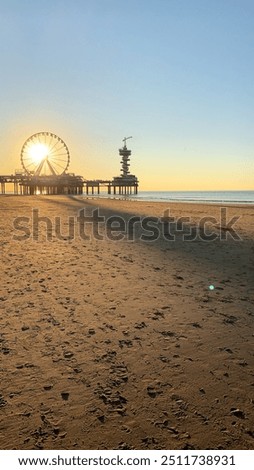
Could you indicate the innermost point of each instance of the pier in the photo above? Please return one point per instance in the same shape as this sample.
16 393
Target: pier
31 185
45 159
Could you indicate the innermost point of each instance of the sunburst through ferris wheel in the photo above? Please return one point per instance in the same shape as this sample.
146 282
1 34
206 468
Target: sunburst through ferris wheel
43 154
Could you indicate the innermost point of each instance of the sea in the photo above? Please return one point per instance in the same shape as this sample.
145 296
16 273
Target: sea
209 197
212 197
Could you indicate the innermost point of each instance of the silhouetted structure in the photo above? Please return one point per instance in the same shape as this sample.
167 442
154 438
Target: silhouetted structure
31 179
47 184
126 183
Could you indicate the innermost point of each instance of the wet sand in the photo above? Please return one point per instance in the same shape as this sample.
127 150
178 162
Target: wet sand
109 344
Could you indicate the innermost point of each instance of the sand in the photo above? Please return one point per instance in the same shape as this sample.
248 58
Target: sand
111 344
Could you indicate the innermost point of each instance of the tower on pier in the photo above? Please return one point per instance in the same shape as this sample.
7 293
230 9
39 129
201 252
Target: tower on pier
126 183
125 154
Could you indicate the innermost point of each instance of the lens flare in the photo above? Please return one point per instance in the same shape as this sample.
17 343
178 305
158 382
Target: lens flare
38 152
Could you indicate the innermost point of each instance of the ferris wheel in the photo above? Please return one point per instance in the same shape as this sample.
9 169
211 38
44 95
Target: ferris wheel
45 153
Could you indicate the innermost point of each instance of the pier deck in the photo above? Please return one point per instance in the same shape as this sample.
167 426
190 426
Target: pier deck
67 184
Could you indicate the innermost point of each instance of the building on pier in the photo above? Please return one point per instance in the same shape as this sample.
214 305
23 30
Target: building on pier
47 184
126 183
52 184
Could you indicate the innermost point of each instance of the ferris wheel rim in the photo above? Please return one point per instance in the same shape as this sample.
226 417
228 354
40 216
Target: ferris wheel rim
65 155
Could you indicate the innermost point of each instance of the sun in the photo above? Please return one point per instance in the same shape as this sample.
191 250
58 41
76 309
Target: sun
38 152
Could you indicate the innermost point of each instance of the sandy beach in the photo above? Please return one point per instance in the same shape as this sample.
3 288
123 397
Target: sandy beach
121 344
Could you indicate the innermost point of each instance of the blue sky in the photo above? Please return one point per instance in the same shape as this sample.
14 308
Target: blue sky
177 75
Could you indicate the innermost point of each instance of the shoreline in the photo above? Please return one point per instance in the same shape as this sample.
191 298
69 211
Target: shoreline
131 199
217 203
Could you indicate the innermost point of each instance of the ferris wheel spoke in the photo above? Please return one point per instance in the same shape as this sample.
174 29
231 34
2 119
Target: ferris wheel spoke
27 158
39 168
57 149
60 146
64 153
29 164
51 167
32 138
57 158
29 144
58 164
52 148
52 144
50 140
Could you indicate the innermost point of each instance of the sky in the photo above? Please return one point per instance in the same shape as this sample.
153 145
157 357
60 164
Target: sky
176 75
